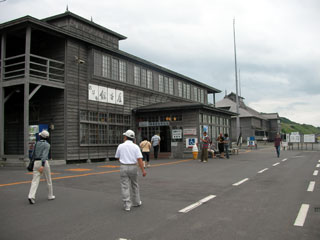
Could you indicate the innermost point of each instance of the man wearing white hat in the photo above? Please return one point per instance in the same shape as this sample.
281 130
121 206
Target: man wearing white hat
41 165
129 155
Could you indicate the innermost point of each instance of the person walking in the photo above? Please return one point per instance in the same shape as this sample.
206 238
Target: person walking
277 143
41 165
226 144
205 140
155 141
145 146
129 155
220 140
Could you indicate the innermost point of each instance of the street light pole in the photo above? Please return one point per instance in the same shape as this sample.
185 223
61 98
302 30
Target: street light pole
236 76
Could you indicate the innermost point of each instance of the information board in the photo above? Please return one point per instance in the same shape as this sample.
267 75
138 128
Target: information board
190 142
309 138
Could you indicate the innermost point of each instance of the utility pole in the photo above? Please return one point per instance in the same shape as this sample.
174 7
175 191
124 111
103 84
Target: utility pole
236 76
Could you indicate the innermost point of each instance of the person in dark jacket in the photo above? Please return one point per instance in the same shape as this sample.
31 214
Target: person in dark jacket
41 165
277 143
220 140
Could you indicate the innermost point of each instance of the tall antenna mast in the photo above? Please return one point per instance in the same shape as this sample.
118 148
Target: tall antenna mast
236 76
239 84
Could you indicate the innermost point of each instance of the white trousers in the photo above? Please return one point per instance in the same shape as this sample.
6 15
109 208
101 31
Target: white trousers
129 181
36 179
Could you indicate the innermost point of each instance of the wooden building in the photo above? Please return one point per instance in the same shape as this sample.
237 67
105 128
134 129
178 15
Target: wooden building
262 126
69 73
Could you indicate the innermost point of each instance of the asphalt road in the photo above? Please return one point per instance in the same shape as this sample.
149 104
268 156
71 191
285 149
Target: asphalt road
253 195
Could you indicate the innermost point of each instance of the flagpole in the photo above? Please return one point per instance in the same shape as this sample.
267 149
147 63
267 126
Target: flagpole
236 76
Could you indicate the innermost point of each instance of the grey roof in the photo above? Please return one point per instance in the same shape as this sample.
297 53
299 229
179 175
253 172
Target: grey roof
72 15
172 105
244 111
271 115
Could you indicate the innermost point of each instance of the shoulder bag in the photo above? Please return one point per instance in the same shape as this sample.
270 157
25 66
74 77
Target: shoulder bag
31 163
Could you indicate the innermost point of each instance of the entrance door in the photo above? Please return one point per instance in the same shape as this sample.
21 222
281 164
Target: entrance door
165 135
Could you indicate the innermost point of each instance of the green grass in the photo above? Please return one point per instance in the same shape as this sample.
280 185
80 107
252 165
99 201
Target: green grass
288 126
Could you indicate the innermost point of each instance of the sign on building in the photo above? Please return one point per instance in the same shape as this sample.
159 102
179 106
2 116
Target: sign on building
104 94
189 131
190 142
176 133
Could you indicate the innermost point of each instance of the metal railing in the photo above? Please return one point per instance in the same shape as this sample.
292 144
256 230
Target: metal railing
39 67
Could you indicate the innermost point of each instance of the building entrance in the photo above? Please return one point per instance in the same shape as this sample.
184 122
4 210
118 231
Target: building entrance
165 144
165 135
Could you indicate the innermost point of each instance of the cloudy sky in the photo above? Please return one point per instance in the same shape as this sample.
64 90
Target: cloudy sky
278 51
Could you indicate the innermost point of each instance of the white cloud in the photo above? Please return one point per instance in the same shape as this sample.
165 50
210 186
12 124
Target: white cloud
300 109
277 42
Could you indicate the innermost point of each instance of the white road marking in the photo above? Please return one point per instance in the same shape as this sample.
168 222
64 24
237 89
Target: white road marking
276 164
318 160
311 186
283 160
318 165
197 204
302 215
263 170
315 173
240 182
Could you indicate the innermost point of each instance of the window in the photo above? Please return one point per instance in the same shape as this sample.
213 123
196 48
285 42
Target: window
106 68
115 69
199 95
202 96
149 80
188 92
136 76
143 78
123 71
184 90
96 130
166 85
195 94
205 118
97 64
161 87
180 89
171 86
84 133
200 117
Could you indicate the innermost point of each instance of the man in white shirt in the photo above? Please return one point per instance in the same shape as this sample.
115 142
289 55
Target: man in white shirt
129 155
155 141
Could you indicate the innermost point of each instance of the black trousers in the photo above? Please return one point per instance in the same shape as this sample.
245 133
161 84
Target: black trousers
155 151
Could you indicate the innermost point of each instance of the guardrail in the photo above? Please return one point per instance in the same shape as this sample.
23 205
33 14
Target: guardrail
39 67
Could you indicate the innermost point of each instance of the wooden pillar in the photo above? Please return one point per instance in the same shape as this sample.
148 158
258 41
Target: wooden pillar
26 93
3 54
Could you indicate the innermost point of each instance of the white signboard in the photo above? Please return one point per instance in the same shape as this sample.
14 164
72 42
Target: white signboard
309 138
190 142
111 95
190 131
294 138
119 97
104 94
176 134
93 92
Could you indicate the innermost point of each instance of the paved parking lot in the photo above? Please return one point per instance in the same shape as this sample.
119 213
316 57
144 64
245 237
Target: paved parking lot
253 195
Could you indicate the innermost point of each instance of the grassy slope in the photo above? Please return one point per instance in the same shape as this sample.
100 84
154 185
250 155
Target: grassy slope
288 126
